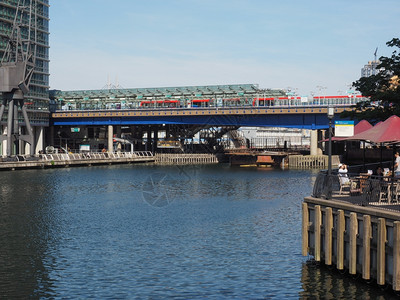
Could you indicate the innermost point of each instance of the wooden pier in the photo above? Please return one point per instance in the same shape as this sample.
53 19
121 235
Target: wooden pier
364 241
75 160
311 161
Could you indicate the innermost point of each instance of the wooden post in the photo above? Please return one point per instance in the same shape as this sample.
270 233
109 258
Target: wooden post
353 243
396 256
340 239
317 232
381 242
305 227
328 235
367 235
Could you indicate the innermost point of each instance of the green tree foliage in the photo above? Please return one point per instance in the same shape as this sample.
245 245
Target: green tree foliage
382 88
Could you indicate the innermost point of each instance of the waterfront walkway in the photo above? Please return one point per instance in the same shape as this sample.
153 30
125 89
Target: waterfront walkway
74 159
360 189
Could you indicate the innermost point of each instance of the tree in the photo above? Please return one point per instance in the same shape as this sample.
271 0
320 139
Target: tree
383 89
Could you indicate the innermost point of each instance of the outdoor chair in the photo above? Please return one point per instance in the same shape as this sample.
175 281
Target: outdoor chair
396 192
344 184
358 186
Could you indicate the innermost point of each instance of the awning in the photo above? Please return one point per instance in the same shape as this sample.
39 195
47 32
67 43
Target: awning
384 132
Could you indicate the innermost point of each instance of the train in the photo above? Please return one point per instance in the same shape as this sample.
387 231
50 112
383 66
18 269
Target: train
167 103
256 101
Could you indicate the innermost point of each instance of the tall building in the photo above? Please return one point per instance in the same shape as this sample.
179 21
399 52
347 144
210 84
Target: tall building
37 100
370 68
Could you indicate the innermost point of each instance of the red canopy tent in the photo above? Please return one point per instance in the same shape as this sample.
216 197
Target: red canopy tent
384 132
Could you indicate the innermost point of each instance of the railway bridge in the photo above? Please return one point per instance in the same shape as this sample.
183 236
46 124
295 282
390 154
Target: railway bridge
164 114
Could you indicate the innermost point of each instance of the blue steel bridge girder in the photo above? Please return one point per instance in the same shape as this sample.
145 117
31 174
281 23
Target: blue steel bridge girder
304 121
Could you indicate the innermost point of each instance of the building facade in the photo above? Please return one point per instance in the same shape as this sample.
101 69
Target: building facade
370 68
37 100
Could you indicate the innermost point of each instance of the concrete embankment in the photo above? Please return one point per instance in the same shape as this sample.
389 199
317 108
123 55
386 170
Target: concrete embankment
74 160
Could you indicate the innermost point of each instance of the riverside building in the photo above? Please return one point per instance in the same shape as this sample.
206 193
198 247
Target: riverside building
37 100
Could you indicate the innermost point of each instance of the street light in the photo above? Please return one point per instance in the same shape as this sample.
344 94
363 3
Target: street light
331 113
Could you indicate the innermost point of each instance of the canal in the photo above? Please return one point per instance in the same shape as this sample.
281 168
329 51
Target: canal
156 232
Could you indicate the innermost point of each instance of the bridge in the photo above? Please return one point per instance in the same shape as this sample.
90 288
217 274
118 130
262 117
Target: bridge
181 112
290 117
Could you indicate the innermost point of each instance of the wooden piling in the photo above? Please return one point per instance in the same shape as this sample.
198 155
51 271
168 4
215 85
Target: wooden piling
367 235
396 256
328 235
317 233
340 239
366 239
353 243
305 226
381 243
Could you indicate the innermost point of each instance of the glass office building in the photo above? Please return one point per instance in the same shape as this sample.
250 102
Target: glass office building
37 101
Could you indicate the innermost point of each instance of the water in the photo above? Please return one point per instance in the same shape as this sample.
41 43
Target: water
139 231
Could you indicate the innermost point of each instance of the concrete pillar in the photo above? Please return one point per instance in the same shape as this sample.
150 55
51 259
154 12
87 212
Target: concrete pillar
4 142
148 144
39 138
314 142
155 139
27 148
110 139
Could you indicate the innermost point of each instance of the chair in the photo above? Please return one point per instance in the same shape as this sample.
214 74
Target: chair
344 183
384 193
359 185
395 192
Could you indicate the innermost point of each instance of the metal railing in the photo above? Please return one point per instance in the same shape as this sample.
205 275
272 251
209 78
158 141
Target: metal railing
358 188
94 155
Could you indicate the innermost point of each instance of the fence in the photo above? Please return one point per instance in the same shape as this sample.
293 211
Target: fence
359 188
95 155
311 161
171 158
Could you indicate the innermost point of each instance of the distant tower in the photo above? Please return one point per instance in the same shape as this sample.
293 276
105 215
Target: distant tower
370 68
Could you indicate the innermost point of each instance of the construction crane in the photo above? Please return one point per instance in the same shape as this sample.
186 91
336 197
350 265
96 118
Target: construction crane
16 70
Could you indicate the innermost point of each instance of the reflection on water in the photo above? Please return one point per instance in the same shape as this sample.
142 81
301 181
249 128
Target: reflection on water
322 282
221 232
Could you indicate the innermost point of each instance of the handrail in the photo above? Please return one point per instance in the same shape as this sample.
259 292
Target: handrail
358 188
93 155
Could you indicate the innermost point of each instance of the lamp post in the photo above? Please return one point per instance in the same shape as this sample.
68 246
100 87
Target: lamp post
331 113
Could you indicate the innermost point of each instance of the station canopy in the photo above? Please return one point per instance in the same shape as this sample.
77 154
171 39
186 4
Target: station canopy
238 90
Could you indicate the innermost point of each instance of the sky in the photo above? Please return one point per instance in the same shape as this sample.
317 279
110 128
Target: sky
308 47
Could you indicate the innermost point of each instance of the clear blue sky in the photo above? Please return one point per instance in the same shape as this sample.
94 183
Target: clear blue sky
276 44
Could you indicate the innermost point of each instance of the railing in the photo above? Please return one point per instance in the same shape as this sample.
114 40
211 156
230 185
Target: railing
358 188
94 155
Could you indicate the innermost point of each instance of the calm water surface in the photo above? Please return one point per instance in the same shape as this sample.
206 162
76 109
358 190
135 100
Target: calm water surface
141 231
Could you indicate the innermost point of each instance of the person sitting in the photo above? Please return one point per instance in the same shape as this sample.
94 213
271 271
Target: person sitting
344 179
379 172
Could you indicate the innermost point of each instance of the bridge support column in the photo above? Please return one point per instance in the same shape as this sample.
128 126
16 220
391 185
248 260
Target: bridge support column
155 139
314 149
110 139
4 141
39 133
148 142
